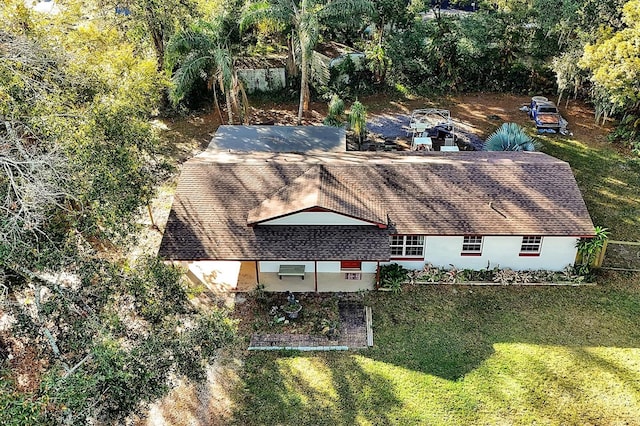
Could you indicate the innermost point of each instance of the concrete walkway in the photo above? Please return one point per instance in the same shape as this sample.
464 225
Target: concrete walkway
353 334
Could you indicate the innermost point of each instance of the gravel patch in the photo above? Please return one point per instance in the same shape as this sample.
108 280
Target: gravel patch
396 126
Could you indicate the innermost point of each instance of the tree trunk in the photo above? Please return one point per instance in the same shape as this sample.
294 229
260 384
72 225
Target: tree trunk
225 92
158 44
245 104
217 104
229 113
292 69
304 89
157 35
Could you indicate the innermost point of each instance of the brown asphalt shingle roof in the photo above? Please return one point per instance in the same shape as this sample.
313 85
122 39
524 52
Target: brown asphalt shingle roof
460 193
320 187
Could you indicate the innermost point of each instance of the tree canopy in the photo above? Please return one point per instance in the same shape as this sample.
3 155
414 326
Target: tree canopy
614 62
79 157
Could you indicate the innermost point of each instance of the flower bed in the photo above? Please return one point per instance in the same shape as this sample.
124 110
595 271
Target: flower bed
319 314
496 276
506 276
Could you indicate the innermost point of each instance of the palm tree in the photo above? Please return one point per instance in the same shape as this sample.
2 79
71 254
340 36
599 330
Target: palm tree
198 53
305 17
358 121
510 137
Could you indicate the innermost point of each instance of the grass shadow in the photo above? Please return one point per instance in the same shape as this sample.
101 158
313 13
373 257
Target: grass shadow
609 182
331 389
448 331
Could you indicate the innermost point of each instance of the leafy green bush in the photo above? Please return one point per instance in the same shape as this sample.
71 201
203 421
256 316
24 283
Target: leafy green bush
628 132
589 248
335 116
350 79
17 408
392 277
158 289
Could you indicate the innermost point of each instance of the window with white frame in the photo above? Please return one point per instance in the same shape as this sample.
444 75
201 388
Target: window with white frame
472 244
407 245
531 245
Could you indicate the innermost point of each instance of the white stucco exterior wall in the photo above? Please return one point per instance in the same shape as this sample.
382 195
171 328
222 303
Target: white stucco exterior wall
309 266
270 267
334 267
328 277
316 218
502 251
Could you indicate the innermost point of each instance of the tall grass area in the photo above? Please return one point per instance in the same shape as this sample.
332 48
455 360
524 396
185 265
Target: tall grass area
462 355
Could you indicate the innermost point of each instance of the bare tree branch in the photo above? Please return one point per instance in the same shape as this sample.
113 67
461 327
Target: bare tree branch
33 182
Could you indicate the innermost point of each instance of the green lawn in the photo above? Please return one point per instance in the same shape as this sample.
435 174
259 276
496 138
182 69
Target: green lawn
609 181
481 355
467 355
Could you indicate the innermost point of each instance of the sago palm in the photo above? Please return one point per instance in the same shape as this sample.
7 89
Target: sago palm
304 18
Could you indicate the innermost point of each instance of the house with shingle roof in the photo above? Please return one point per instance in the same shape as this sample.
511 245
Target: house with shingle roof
327 221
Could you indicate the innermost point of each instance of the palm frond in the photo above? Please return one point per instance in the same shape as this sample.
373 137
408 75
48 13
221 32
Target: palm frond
341 8
309 34
335 115
265 11
510 137
224 67
192 68
319 68
358 119
186 42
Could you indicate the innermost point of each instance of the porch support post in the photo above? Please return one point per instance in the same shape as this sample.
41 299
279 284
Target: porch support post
257 273
378 275
315 274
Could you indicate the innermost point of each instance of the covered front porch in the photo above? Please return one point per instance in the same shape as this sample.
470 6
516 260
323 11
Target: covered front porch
317 276
281 276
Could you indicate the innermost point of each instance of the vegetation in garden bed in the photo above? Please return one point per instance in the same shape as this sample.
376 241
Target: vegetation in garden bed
319 314
505 276
393 276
